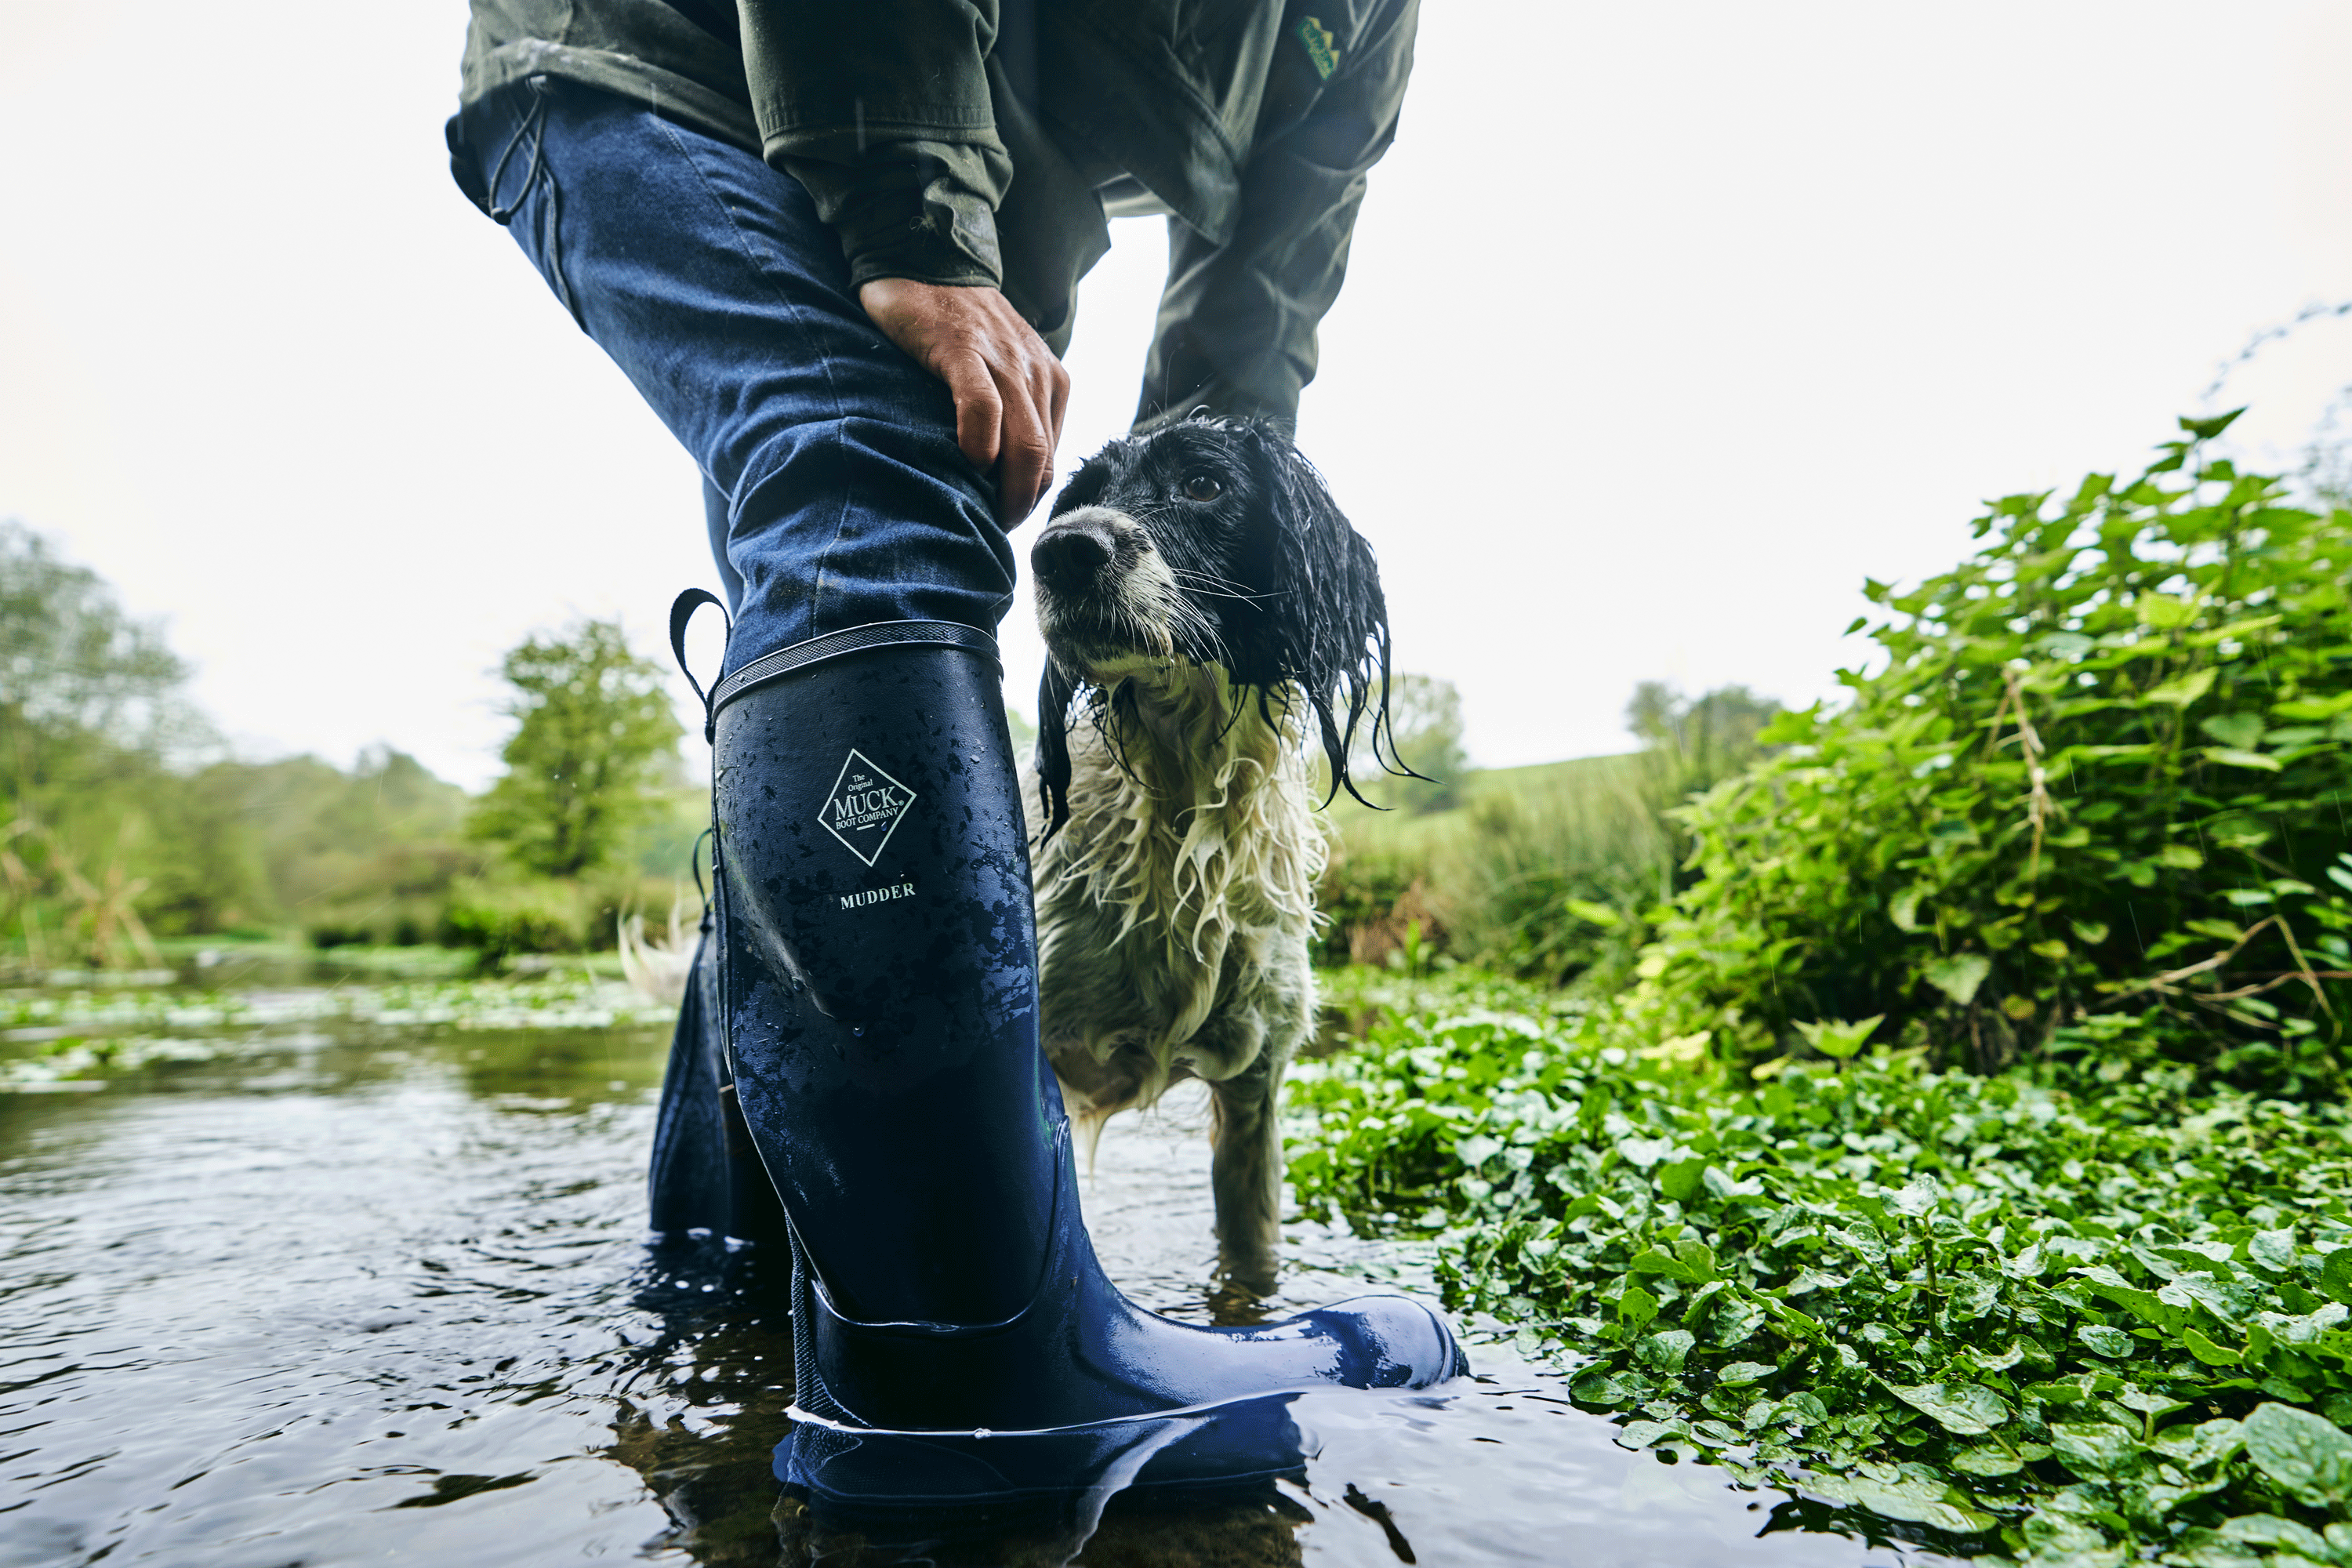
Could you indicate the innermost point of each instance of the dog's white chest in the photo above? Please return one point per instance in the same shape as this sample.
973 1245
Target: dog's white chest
1175 909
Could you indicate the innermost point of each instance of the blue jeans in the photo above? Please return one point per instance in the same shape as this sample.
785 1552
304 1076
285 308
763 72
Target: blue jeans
834 489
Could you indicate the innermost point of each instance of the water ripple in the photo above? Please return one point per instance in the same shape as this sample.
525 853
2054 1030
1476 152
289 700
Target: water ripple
362 1278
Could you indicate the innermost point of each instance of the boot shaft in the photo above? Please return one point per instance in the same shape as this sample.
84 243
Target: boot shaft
878 966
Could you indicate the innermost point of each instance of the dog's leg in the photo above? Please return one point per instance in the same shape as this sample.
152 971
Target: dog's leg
1245 1173
1093 1092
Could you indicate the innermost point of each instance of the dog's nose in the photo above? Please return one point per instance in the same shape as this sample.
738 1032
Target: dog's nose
1067 555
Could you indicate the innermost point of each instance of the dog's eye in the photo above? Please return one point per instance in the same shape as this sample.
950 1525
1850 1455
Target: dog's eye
1200 486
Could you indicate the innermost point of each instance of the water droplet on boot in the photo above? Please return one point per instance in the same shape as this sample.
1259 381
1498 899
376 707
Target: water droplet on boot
982 1432
857 1031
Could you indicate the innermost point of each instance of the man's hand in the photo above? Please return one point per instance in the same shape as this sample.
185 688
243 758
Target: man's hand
1008 389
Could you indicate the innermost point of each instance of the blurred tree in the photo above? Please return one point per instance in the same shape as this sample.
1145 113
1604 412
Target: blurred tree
1424 726
1714 732
362 855
593 753
1426 723
90 715
118 815
72 661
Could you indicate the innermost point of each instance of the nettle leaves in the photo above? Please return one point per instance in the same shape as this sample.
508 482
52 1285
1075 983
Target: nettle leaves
2101 765
2036 1324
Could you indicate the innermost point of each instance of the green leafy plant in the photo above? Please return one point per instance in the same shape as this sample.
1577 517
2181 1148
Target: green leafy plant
1836 1038
2106 763
1359 899
2045 1317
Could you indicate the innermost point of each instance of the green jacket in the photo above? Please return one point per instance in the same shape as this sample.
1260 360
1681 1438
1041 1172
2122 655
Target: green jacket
962 141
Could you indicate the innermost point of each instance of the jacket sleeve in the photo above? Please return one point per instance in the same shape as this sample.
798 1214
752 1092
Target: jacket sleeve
881 109
1237 322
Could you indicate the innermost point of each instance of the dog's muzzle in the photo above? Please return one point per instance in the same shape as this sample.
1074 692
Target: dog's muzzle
1075 551
1104 594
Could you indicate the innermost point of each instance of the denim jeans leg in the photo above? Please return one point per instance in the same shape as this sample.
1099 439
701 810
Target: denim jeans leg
718 521
710 280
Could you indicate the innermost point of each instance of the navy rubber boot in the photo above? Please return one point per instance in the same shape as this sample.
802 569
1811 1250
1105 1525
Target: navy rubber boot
708 1197
877 992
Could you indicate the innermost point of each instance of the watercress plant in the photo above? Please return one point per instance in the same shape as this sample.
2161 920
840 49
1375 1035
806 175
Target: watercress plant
2040 1315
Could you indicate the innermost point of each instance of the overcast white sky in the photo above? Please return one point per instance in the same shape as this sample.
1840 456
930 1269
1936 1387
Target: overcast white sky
1666 324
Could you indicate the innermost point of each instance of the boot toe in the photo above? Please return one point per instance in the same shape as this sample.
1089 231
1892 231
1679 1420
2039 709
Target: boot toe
1391 1342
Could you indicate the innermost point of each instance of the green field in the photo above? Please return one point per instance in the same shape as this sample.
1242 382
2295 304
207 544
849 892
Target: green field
1432 834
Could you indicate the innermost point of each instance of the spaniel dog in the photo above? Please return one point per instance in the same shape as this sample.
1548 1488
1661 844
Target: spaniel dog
1207 611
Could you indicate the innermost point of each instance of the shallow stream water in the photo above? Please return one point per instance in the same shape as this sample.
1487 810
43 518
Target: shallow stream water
327 1272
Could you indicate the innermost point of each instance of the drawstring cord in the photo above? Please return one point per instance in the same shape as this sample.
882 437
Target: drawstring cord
535 176
534 124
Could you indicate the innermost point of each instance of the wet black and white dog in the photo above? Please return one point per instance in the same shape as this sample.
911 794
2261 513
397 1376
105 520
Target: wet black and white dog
1208 611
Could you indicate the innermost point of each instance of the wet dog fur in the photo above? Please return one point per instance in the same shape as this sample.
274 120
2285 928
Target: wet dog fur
1208 611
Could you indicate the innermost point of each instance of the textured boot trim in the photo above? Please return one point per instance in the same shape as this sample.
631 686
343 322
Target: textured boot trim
855 639
1055 1263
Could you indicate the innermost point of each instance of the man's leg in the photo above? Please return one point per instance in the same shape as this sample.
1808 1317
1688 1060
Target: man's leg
876 931
718 521
828 455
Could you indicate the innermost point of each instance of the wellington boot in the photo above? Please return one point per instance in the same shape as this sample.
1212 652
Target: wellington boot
878 994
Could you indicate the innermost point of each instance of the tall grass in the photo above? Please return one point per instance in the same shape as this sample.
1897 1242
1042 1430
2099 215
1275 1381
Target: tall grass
1553 885
1551 873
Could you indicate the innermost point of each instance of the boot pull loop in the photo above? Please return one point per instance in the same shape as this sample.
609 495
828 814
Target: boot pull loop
694 864
681 611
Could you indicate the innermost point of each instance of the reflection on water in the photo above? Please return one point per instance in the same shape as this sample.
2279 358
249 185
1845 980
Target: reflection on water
355 1274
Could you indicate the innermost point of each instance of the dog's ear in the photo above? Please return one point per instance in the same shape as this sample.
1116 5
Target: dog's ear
1056 694
1333 618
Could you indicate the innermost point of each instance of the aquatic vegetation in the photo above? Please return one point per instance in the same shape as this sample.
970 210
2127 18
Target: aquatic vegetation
2042 1315
86 1037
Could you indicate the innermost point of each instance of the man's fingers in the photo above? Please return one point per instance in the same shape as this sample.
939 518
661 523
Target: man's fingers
1059 380
1049 391
1028 454
980 410
1009 392
1049 396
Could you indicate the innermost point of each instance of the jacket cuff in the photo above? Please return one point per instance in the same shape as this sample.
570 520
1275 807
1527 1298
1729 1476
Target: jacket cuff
936 233
1217 397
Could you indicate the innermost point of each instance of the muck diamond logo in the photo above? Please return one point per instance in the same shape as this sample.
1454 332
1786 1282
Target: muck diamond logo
865 806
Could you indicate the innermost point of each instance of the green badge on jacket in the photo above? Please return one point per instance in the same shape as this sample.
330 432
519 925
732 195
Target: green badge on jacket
1321 46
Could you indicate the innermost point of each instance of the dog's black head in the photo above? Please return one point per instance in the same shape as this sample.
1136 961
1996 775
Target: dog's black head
1211 541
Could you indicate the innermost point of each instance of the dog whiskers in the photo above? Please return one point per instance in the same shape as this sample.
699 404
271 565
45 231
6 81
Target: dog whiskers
1198 578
